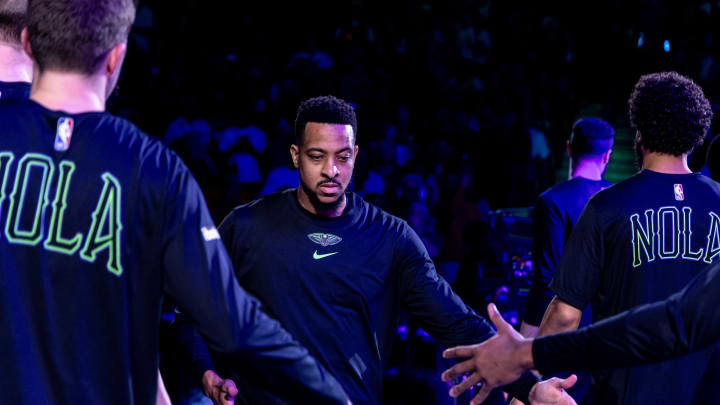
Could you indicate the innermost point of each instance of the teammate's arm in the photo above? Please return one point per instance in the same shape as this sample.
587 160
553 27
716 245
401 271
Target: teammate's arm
559 317
430 300
686 322
199 278
577 277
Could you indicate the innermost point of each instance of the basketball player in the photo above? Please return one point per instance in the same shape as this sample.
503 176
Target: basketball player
97 221
336 270
643 239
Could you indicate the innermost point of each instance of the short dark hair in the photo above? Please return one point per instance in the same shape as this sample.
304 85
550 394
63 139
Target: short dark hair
75 35
12 19
324 110
591 136
670 112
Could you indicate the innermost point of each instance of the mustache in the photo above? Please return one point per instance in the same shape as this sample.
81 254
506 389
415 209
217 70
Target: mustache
328 181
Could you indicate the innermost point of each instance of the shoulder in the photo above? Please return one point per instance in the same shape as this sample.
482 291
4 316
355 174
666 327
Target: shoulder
555 195
270 205
708 182
373 216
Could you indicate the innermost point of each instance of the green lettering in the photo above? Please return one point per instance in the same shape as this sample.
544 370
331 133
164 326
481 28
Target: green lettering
55 241
107 214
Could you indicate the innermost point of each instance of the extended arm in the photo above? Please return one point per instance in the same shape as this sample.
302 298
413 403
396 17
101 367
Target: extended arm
429 298
559 317
687 321
200 279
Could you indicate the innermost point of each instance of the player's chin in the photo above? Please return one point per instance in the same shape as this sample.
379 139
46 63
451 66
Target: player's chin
329 197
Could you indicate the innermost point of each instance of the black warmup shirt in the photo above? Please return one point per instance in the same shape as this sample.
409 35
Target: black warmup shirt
338 284
687 321
94 227
638 242
554 216
14 91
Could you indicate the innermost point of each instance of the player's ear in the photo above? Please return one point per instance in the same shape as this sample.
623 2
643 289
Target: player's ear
355 152
115 58
606 156
295 155
26 42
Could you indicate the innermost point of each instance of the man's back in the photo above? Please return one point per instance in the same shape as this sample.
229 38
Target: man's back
554 216
81 271
637 242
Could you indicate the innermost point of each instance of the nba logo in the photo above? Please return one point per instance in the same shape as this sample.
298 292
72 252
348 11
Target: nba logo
63 134
679 195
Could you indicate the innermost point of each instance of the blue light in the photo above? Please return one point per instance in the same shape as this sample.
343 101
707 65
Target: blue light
641 40
666 46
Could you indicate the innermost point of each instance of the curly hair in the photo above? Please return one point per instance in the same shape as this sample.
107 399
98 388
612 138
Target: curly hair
325 110
670 112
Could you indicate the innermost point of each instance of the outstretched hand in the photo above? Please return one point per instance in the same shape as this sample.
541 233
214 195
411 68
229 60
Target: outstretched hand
221 392
498 361
552 392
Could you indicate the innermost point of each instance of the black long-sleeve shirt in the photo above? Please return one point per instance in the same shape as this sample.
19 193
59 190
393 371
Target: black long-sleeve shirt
338 284
686 322
98 221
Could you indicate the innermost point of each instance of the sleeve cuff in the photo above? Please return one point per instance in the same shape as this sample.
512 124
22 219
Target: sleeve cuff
520 389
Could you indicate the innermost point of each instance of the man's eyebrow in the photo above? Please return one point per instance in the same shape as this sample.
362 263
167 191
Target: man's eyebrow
346 149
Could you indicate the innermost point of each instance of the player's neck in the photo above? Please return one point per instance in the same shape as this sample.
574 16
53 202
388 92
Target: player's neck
587 170
663 163
319 209
15 65
70 92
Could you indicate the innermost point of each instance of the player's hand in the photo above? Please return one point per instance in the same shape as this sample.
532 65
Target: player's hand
221 392
552 392
498 361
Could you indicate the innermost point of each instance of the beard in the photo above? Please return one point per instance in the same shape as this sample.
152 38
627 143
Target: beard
319 205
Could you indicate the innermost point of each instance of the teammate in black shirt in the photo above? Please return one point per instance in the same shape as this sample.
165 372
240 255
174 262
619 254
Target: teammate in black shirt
336 270
645 238
97 221
558 208
15 64
555 213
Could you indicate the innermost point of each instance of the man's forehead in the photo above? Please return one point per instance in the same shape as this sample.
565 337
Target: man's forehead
326 132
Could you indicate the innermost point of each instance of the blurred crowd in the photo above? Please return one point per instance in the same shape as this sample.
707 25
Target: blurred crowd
462 108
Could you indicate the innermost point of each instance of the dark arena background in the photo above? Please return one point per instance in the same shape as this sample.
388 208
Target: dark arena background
464 109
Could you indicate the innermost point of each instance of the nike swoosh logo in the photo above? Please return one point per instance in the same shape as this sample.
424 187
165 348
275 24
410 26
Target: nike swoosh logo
316 256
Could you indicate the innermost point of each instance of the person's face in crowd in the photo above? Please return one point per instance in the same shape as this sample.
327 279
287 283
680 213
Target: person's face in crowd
325 161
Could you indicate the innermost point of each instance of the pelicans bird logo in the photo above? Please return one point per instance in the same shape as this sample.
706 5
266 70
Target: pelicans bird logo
324 239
